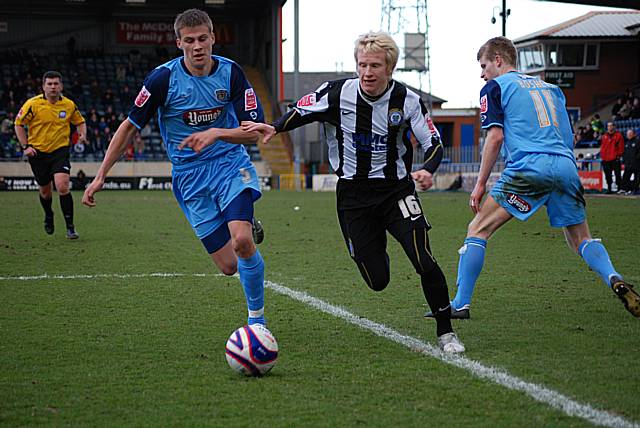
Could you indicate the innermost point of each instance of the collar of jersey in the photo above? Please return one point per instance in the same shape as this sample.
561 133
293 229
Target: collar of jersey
374 99
214 67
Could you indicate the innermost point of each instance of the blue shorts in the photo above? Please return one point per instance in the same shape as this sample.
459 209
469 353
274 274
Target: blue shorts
204 189
542 179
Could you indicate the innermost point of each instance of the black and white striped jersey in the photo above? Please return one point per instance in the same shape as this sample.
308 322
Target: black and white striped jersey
367 138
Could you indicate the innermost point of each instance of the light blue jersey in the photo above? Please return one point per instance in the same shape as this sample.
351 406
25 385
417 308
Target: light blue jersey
531 113
537 148
204 183
186 104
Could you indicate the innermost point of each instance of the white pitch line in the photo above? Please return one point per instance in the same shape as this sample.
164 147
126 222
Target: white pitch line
539 393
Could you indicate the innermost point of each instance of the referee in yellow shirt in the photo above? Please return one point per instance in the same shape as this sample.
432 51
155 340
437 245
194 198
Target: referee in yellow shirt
43 128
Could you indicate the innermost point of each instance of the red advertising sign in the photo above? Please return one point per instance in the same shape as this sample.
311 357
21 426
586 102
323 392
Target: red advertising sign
591 180
161 33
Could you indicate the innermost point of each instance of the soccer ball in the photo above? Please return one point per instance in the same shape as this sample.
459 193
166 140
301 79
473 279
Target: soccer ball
252 350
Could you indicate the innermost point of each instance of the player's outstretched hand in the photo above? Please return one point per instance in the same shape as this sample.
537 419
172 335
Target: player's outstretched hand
199 140
266 130
95 186
423 178
476 197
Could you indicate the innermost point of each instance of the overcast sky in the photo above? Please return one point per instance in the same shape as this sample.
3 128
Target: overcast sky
457 28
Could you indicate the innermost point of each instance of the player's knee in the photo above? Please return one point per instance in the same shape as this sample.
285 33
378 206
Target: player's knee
243 246
45 191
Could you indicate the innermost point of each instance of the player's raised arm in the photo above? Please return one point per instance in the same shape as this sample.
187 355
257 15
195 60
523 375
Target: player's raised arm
116 148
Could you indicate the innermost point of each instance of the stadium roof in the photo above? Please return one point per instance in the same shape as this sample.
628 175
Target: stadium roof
625 4
606 24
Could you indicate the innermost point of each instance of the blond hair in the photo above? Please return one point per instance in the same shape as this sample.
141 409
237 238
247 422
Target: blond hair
499 46
374 42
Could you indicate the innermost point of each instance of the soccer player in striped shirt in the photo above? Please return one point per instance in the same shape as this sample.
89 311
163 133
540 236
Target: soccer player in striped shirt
369 121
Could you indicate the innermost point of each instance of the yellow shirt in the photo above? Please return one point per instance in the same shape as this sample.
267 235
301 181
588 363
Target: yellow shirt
48 123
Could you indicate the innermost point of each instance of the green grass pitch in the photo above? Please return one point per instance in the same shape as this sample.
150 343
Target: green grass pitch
106 344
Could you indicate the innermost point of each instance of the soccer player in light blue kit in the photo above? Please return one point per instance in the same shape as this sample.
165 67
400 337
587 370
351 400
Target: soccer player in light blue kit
527 119
201 100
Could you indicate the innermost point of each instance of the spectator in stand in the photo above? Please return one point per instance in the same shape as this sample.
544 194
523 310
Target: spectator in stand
597 127
611 150
126 96
97 142
625 111
631 163
616 108
586 134
6 128
129 151
107 134
92 123
138 147
102 124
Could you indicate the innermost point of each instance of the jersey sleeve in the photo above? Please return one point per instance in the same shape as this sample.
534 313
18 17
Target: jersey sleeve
422 125
245 102
315 102
76 116
25 114
491 112
152 95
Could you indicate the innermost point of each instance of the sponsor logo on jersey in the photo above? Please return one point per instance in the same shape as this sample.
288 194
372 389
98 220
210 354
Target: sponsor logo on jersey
201 117
519 203
307 101
367 142
250 100
483 104
142 97
253 115
222 94
62 114
483 118
19 114
395 117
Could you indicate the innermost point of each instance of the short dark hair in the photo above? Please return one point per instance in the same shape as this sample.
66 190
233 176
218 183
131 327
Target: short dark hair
191 18
499 46
51 75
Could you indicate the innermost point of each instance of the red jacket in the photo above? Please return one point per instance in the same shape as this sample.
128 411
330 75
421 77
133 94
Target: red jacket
611 146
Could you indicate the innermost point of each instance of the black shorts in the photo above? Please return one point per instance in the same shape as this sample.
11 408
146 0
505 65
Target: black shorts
45 165
367 209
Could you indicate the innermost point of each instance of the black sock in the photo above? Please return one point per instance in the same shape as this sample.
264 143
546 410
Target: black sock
66 203
434 287
46 205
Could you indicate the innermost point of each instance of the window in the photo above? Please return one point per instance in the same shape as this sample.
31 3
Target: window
571 55
592 56
530 58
